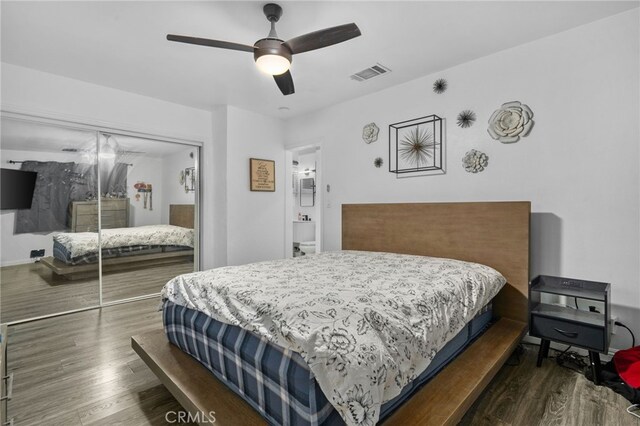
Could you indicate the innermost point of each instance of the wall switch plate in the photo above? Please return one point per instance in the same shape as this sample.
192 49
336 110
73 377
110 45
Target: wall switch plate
37 253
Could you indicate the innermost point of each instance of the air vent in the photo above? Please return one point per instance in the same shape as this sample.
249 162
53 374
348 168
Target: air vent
69 149
370 72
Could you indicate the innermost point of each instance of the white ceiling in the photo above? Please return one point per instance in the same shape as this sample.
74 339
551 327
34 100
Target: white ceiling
122 44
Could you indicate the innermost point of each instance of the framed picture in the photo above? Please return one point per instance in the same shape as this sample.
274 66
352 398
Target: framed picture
262 175
189 179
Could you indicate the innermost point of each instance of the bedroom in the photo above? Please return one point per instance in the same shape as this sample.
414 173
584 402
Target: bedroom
108 67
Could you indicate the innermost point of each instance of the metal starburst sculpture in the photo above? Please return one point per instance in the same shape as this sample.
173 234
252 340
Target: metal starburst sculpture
417 146
466 118
440 85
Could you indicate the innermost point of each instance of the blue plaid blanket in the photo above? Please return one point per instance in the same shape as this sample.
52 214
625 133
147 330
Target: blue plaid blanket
276 381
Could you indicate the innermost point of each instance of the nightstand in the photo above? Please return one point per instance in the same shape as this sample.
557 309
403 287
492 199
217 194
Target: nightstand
564 310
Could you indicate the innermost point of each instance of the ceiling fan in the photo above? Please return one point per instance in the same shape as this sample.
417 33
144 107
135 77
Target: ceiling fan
273 55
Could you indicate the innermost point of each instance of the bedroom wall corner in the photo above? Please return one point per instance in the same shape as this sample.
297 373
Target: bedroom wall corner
255 220
216 185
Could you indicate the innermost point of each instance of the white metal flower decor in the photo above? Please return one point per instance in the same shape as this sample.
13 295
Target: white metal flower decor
475 161
510 122
370 133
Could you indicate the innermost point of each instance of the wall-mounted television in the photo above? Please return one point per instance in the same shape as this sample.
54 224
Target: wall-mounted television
17 189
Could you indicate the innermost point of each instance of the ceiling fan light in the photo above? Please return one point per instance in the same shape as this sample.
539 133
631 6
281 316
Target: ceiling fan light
273 64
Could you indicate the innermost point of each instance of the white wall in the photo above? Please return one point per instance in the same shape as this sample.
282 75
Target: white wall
255 220
172 191
25 89
217 187
148 170
579 166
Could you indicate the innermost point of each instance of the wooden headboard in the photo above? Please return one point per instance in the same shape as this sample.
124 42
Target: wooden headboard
182 215
492 233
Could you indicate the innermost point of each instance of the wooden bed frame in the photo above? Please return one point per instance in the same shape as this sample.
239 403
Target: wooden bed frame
492 233
179 215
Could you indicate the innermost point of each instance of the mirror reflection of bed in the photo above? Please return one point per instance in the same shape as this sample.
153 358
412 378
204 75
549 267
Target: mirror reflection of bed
124 248
147 218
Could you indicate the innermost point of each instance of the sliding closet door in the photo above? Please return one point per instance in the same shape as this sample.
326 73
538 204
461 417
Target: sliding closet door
147 214
49 220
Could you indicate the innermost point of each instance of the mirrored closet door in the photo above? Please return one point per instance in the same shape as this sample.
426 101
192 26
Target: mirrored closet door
91 217
47 168
148 213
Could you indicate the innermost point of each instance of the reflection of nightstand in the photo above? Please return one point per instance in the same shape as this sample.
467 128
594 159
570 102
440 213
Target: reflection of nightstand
585 325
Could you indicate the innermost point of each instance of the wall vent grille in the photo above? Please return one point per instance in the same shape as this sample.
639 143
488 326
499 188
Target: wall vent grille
369 73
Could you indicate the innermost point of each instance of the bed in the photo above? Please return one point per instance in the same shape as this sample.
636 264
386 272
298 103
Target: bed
75 254
494 234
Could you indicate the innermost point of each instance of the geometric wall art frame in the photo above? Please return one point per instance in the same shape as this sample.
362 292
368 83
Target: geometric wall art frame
416 146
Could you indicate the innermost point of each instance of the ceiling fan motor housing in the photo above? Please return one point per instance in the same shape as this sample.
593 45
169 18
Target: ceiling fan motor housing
272 11
271 46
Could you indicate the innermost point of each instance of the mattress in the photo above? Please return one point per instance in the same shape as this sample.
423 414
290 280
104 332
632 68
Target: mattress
76 248
366 323
276 381
62 253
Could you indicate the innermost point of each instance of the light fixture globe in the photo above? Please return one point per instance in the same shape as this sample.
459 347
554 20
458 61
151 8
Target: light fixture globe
272 57
273 64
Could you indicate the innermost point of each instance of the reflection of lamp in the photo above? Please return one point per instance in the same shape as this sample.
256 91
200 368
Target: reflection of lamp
107 152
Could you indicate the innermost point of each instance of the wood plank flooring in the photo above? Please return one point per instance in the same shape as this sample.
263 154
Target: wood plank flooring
549 395
32 290
79 369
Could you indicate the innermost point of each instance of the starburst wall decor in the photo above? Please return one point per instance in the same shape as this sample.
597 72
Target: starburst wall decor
416 146
466 118
440 86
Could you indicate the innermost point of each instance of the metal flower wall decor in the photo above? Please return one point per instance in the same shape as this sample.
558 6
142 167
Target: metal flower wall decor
416 147
466 118
475 161
510 122
370 133
440 86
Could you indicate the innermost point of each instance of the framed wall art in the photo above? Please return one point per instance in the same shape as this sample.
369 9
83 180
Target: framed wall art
262 175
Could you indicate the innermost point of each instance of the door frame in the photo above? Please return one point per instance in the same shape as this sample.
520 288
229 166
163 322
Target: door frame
289 199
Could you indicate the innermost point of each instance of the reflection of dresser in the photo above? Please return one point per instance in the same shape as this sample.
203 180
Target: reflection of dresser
84 214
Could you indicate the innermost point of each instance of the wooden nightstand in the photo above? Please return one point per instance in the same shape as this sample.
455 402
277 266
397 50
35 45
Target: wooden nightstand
568 319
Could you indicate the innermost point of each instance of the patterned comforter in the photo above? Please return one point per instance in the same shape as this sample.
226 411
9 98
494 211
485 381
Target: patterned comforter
366 323
81 243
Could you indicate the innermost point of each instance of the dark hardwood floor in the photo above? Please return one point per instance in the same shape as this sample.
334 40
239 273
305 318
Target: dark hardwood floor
524 394
79 369
32 290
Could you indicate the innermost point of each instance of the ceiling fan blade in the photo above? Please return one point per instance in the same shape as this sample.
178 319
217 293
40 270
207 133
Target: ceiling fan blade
210 43
285 83
322 38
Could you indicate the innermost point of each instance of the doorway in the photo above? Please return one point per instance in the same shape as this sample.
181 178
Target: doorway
303 202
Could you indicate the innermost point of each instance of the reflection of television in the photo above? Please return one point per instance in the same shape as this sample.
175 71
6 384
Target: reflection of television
17 189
